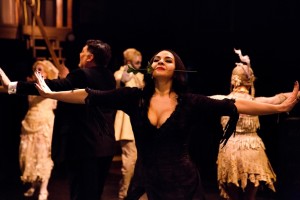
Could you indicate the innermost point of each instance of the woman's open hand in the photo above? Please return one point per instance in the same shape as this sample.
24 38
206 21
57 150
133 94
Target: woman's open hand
40 85
292 99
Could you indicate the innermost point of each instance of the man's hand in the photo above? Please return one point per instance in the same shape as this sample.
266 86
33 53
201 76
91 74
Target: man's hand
63 71
125 75
4 80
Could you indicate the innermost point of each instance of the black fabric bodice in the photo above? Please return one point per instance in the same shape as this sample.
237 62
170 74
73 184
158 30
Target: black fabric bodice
167 168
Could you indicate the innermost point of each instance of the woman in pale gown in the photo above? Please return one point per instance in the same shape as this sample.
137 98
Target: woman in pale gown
243 164
36 136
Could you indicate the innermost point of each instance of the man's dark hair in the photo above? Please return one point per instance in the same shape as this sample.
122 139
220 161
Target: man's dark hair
100 50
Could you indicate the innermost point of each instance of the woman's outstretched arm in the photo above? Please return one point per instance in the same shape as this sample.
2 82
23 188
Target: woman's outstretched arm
258 108
71 96
243 106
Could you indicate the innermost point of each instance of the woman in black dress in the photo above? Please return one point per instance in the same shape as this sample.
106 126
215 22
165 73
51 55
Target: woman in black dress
163 117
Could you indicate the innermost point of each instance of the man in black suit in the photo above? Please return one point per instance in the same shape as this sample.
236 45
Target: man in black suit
85 139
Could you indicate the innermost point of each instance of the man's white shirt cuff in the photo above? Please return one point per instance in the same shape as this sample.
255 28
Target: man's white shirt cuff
12 87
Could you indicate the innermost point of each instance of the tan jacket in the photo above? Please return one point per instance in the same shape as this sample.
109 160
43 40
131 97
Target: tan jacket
123 129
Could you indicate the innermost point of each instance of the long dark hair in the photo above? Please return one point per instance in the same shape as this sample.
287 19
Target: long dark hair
179 85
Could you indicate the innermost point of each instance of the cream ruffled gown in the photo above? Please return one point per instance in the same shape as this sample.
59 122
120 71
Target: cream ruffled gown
243 158
36 136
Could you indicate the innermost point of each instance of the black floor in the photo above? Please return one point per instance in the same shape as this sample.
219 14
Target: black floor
58 187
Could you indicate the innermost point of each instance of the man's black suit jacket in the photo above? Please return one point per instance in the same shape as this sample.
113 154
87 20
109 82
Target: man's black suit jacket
80 131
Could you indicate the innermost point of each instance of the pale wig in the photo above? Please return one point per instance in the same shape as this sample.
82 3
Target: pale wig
242 74
130 53
50 69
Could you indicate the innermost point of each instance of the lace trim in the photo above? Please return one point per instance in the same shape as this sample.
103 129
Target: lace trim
245 124
237 165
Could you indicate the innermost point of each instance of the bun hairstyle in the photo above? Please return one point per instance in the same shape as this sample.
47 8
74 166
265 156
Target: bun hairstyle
242 74
50 69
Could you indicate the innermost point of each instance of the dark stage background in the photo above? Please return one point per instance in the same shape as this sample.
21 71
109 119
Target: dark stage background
203 33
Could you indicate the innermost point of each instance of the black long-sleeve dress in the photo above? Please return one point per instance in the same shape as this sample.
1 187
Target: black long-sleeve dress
167 168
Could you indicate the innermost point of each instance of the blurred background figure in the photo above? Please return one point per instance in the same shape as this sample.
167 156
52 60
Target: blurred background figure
123 129
85 140
36 136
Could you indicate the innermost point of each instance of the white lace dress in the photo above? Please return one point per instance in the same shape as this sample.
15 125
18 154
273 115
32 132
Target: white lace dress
36 136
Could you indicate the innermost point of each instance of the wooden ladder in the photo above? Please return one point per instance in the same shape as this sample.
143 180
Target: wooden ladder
45 40
41 50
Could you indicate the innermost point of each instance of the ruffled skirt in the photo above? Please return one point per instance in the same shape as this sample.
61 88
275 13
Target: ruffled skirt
243 158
